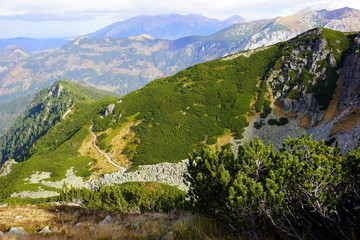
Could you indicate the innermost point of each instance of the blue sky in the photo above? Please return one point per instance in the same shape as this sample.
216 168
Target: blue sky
66 18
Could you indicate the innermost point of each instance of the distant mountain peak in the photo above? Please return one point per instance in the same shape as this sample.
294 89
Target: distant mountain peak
171 26
234 19
327 7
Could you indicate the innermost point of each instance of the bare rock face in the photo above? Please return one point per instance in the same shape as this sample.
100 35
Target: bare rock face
350 93
109 109
17 231
340 120
304 62
6 168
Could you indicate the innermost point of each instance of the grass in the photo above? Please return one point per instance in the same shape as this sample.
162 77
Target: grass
177 113
57 151
69 222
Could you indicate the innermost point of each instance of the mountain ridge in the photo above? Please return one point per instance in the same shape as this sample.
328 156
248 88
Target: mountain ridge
124 64
272 91
171 26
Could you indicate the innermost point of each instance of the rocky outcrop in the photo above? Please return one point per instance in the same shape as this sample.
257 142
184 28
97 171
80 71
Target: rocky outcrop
338 121
269 133
109 109
6 168
351 74
41 193
169 173
292 83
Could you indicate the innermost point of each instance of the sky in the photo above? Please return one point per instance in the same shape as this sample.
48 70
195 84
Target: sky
71 18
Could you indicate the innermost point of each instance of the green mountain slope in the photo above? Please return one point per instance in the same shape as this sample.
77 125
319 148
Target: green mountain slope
207 104
11 110
47 108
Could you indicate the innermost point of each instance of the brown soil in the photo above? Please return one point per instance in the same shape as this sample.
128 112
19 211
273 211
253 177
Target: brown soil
87 149
278 111
69 222
332 111
347 122
304 122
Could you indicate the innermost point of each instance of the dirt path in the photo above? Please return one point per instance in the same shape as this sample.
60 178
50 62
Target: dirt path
102 152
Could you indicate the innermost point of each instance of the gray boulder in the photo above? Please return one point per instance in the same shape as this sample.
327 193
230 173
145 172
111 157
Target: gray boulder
109 109
17 231
168 236
46 230
108 219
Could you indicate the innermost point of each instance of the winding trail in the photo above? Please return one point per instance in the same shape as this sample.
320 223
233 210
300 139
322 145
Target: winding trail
102 152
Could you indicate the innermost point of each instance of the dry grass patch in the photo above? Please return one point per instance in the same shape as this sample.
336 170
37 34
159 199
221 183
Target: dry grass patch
29 217
347 122
332 111
278 111
87 149
304 122
120 141
70 222
224 139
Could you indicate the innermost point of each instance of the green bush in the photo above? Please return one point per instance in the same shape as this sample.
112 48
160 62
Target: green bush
305 190
129 197
259 125
278 122
211 141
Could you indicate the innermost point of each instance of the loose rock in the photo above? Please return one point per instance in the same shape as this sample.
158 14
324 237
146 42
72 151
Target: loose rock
46 230
108 219
17 231
168 236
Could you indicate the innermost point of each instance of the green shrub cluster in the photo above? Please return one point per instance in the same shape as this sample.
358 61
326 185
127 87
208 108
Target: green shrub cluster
306 190
259 125
42 114
129 197
177 113
278 122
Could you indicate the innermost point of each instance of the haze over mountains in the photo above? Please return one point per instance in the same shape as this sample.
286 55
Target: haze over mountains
170 27
32 45
126 64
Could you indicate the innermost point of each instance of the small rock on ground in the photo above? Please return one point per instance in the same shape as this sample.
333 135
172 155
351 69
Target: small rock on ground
46 230
17 231
108 219
168 236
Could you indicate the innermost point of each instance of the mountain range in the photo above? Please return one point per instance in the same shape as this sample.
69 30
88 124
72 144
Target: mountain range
126 64
307 84
31 45
170 27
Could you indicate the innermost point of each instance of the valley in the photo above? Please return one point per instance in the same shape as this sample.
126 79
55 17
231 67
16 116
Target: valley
249 132
207 105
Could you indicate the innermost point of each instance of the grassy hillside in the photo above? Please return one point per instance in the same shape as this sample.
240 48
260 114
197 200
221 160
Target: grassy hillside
204 105
45 110
11 110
